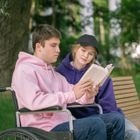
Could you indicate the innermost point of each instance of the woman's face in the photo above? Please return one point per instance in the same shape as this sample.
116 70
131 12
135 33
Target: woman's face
84 55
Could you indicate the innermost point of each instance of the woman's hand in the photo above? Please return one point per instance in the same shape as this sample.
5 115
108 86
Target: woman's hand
81 87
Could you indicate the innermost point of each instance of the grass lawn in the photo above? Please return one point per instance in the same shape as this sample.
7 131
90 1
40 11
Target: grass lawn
137 83
7 115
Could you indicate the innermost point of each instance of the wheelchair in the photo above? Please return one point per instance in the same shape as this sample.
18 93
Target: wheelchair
30 133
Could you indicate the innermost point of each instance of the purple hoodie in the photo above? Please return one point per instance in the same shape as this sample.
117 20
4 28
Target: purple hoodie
105 97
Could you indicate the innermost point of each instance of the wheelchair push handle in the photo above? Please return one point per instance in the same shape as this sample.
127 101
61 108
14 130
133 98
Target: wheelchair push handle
3 89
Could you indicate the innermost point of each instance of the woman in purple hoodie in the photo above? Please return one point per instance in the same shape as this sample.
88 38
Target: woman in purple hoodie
73 67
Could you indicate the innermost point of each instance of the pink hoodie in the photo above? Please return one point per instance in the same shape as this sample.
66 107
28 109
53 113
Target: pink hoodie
38 86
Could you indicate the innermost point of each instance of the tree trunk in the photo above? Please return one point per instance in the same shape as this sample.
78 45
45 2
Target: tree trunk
124 62
14 32
102 30
86 14
115 28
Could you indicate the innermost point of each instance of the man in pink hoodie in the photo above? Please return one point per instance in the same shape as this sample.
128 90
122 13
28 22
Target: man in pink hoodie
38 86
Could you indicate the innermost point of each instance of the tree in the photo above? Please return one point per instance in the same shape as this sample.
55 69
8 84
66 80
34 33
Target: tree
101 18
128 17
14 30
86 14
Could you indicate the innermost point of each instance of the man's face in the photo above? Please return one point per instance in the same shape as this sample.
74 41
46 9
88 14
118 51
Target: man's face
50 51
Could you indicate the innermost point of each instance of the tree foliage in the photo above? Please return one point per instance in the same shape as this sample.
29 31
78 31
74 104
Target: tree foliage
15 20
129 21
128 17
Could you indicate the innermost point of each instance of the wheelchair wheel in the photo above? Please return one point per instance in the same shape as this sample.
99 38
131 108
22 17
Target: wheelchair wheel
17 134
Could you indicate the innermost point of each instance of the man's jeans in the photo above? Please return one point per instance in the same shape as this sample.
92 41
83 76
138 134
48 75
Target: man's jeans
108 126
131 131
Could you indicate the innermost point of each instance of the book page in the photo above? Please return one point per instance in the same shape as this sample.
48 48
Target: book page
109 68
97 74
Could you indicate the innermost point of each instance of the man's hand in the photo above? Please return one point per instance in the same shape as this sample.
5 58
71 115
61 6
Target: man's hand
81 87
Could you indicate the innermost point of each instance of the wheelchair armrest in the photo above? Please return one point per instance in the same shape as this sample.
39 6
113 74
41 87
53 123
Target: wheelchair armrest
77 105
52 108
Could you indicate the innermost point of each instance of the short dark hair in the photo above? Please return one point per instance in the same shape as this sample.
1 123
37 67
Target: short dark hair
44 32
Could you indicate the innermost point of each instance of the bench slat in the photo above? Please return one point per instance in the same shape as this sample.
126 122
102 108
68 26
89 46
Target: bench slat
124 87
125 91
118 83
133 112
123 100
129 104
125 95
130 107
122 78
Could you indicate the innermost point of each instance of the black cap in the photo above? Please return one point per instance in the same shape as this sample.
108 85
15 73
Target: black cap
88 40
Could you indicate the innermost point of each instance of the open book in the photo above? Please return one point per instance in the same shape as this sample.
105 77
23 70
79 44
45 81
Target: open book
98 74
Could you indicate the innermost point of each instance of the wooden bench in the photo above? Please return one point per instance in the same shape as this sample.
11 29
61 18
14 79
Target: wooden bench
127 98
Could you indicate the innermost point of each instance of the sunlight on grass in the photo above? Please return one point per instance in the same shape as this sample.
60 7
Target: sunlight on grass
137 83
7 115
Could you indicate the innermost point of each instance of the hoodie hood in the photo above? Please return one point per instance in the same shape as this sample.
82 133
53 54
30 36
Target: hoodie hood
31 59
67 63
72 74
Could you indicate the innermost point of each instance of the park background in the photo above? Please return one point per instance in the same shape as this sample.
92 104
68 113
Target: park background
115 23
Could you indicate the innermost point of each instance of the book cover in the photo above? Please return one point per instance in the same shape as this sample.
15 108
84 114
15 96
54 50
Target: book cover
97 73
